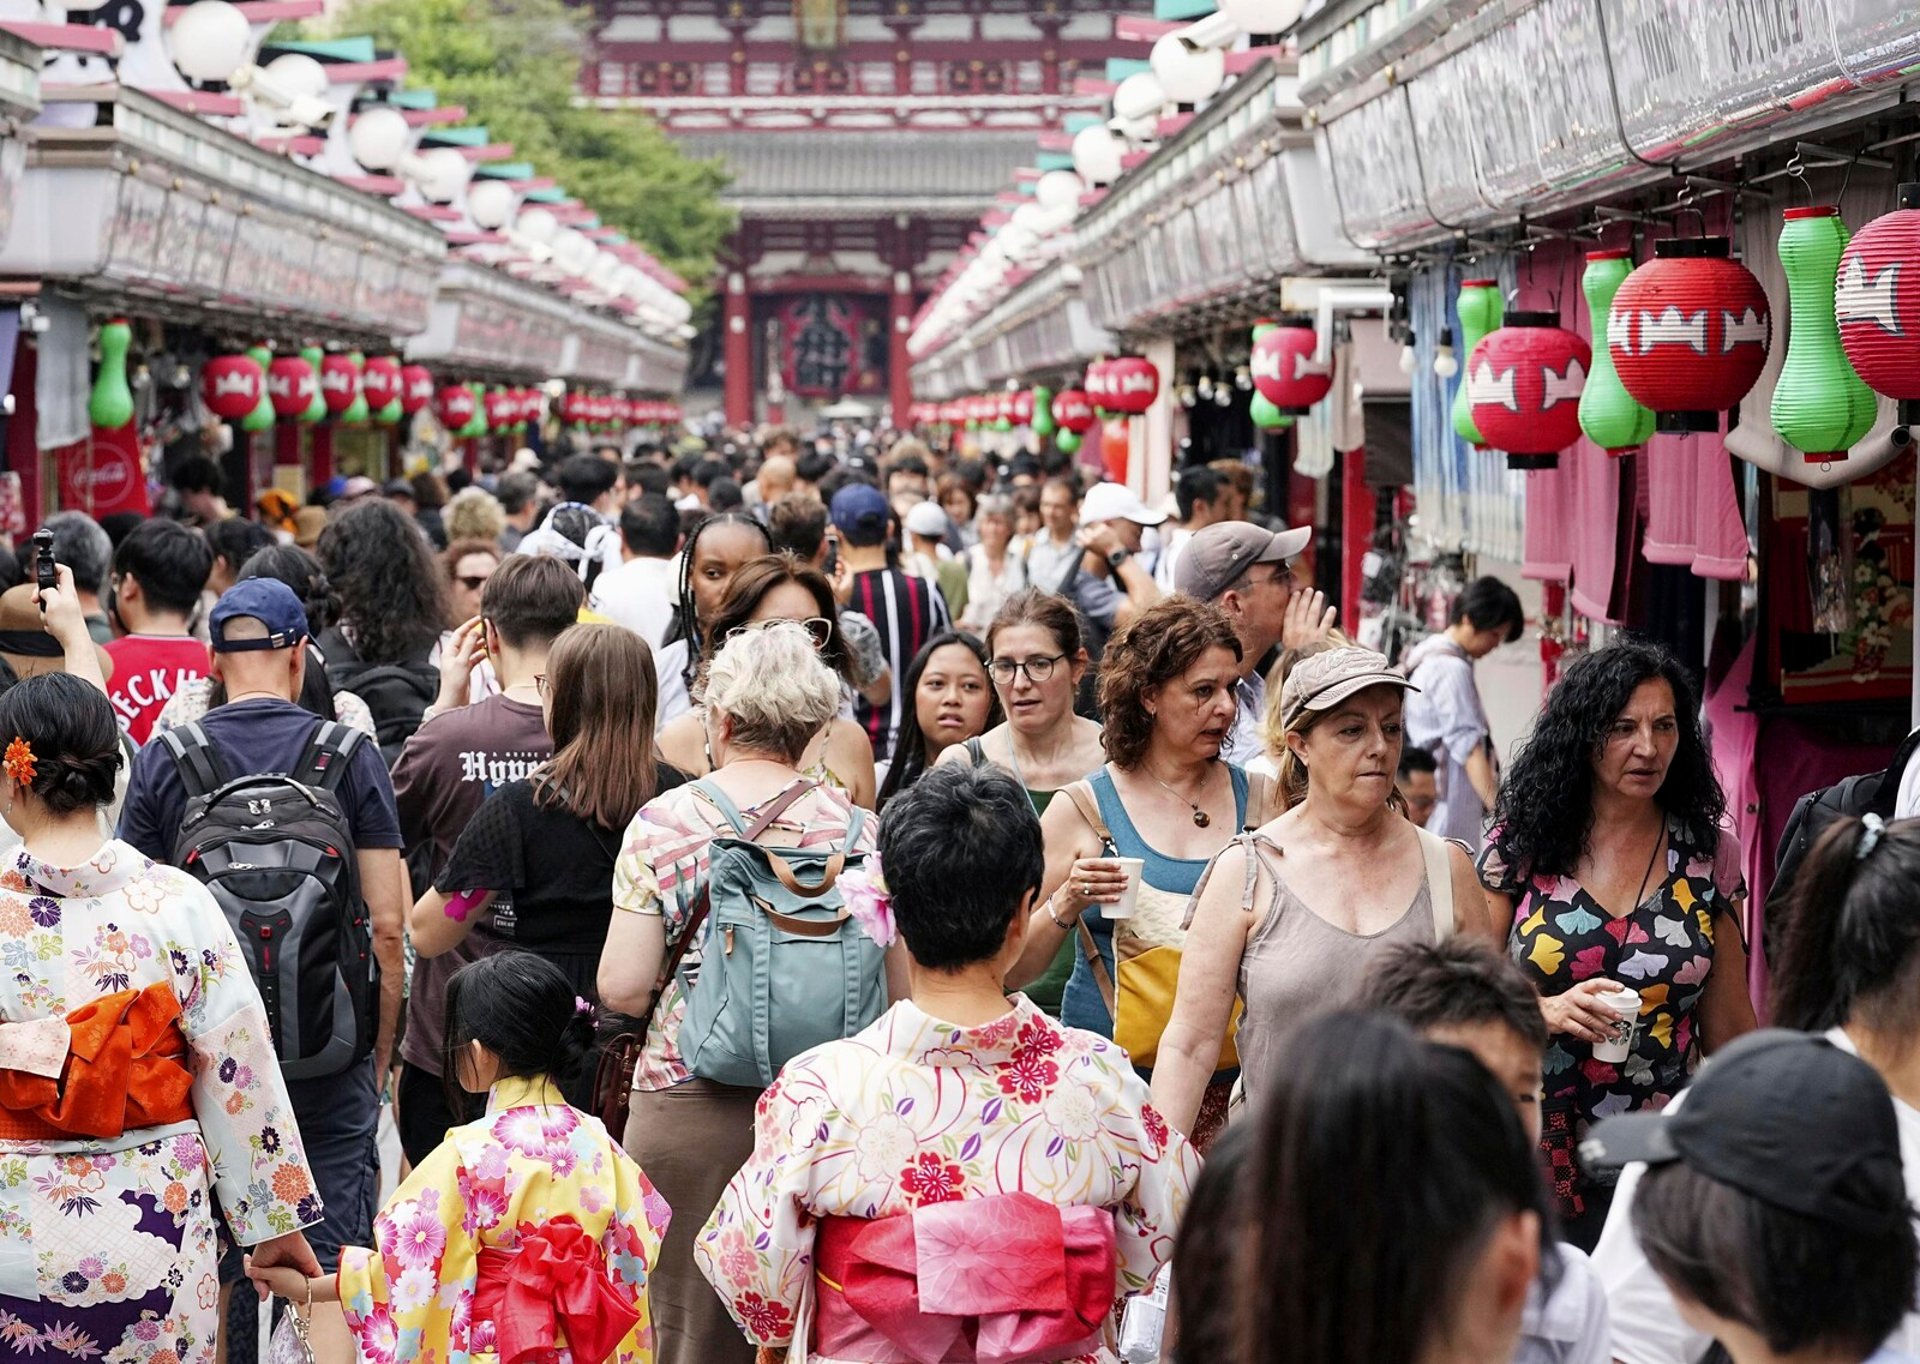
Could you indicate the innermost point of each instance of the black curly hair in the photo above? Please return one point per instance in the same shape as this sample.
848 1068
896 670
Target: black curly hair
1544 814
392 593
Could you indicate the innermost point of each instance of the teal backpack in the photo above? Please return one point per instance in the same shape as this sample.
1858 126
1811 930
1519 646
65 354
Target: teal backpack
785 966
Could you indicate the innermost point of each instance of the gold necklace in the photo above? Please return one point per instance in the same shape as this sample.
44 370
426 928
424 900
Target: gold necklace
1201 819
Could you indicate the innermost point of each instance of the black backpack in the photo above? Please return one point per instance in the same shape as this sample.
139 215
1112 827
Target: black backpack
1863 794
277 852
397 694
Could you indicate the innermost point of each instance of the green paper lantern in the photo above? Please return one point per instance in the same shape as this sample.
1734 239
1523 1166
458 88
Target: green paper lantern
1820 406
356 413
262 416
110 405
1068 441
316 409
1609 415
476 424
1266 416
1003 424
1043 423
391 414
1481 310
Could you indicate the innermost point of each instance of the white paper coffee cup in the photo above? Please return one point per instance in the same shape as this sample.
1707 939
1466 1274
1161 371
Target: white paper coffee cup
1625 1003
1122 908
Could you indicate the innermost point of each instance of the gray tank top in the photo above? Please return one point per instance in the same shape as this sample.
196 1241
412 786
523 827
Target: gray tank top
1298 966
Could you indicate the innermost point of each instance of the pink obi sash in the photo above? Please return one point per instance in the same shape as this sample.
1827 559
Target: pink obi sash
1007 1279
555 1279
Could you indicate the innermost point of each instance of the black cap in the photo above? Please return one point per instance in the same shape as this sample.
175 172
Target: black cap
1786 1117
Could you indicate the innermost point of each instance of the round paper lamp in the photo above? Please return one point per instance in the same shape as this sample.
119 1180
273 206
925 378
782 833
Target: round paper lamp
1523 385
209 40
339 383
1877 303
1689 332
1187 75
1608 414
380 381
1073 411
1285 370
455 407
1133 384
378 138
291 385
231 385
1820 406
1096 155
416 388
1481 311
1099 390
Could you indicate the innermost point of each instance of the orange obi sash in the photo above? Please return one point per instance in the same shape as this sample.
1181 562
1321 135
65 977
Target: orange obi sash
125 1069
556 1279
1000 1280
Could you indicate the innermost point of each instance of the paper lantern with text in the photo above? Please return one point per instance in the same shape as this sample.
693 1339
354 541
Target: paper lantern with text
1481 310
1820 406
455 408
1608 414
1132 385
231 385
339 383
1023 407
1285 370
291 385
381 382
533 406
1523 385
1877 303
1098 385
416 388
570 407
1689 332
1073 412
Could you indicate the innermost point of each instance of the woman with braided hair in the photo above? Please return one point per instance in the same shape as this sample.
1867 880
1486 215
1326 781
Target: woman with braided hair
714 552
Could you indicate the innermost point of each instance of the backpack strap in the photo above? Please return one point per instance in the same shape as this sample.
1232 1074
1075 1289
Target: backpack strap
1081 794
707 789
195 758
1102 978
1433 849
323 763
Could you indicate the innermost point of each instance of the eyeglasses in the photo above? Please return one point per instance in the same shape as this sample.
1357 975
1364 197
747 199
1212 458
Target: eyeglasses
817 626
473 582
540 685
1037 670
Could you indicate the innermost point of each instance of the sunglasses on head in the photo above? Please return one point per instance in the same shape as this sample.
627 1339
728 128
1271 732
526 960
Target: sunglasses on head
819 627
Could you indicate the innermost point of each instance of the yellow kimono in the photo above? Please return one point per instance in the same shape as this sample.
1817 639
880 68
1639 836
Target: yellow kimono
532 1161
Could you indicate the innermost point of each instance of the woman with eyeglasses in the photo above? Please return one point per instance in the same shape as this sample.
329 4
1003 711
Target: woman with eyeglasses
782 587
952 704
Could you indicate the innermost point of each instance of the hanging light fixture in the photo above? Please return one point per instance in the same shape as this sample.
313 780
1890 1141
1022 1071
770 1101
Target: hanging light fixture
1445 363
1821 407
1523 387
1610 417
1877 304
1284 366
1689 331
1481 310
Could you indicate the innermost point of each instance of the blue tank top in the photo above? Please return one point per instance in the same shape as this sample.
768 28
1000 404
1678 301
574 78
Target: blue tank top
1081 1005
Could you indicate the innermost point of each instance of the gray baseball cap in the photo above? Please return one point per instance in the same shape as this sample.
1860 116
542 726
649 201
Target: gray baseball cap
1322 681
1219 556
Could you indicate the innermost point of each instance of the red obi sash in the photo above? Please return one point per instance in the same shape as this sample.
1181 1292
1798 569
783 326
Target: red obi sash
1001 1280
556 1278
125 1070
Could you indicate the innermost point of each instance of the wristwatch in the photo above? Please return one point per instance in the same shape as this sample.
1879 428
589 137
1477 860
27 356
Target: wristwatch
1118 557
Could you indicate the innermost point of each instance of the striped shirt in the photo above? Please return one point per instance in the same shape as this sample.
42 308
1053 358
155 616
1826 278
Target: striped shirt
906 612
662 869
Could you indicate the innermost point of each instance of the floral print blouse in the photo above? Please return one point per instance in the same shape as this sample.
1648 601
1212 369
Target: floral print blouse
913 1110
529 1159
107 1247
1663 948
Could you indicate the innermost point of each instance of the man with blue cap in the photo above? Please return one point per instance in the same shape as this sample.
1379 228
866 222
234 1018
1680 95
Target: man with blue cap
907 611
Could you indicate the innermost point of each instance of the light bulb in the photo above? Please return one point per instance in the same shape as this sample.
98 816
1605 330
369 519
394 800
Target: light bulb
1408 360
1243 379
1222 396
1443 362
1205 387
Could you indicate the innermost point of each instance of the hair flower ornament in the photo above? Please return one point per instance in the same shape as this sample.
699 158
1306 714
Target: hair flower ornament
20 762
869 901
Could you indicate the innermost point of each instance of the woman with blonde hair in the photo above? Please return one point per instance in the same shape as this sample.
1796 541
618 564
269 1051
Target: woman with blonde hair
473 513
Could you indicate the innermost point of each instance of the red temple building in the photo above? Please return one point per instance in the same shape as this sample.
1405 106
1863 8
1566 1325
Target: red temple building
865 138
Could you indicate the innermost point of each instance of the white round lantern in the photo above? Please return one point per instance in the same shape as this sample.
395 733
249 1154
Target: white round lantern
296 74
443 174
210 40
604 271
1096 155
1059 189
573 252
537 225
1139 96
1188 76
378 138
1031 218
490 204
1262 16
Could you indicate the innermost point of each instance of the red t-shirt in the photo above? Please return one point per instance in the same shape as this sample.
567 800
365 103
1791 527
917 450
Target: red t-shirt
147 669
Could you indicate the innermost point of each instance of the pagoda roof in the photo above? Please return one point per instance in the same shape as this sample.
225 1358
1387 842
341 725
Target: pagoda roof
805 173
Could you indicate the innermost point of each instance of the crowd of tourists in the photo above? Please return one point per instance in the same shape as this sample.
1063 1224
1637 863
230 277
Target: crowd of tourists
821 905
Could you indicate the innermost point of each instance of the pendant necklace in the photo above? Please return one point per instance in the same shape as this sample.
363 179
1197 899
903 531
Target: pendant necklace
1201 819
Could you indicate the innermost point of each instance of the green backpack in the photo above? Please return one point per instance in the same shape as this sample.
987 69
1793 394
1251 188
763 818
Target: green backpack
785 966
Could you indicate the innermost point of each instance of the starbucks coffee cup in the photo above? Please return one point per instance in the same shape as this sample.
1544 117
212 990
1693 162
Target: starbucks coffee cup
1625 1003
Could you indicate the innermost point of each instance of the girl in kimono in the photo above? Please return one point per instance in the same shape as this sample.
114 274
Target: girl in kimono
138 1079
965 1179
525 1237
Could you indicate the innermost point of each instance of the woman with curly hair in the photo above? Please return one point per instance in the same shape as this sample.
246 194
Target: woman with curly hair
1606 866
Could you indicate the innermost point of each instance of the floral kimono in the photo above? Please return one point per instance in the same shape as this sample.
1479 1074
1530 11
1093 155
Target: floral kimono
995 1148
522 1231
107 1243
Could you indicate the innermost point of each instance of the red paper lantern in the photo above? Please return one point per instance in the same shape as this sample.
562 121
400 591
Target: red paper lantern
1524 383
1133 384
455 406
291 384
339 383
500 409
416 388
1023 407
380 380
623 411
1877 303
1689 332
1285 371
1073 410
1099 383
530 407
231 385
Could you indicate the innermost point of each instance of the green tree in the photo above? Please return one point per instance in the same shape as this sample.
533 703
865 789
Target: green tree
515 65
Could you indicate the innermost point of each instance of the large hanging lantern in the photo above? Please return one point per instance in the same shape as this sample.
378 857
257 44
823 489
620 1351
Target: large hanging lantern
261 418
1096 155
1042 422
1820 406
1284 368
317 404
1608 414
1132 385
1068 441
232 386
1524 383
1877 303
339 383
1689 332
356 413
381 382
1481 310
1097 385
500 409
291 385
110 401
455 408
1073 413
1267 417
416 388
1023 407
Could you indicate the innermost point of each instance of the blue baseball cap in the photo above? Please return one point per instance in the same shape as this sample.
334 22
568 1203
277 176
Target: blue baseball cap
267 600
860 513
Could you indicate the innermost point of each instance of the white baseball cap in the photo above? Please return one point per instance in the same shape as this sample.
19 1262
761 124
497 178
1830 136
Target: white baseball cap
926 518
1116 502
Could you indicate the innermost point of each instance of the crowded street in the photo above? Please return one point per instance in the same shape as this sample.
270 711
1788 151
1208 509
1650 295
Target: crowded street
959 682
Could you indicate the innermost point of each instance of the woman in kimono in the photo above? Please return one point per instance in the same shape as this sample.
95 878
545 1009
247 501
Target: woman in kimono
525 1237
965 1178
137 1073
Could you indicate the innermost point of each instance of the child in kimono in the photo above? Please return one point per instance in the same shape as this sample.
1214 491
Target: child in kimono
525 1237
965 1179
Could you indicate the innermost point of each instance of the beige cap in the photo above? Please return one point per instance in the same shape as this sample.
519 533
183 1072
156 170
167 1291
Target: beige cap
1322 681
